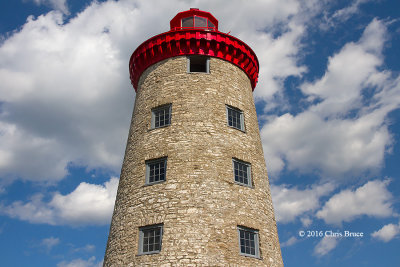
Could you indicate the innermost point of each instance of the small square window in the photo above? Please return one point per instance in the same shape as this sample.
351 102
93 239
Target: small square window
235 118
156 171
248 242
242 172
161 116
150 239
198 64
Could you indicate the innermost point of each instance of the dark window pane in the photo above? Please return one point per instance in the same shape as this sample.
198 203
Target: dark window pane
187 22
247 242
210 24
241 173
234 118
162 116
151 240
200 22
156 171
198 64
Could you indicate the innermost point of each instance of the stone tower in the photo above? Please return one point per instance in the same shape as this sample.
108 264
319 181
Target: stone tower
194 189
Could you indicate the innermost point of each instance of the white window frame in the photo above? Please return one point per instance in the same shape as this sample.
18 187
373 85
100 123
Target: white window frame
189 58
153 115
242 128
155 161
256 242
141 238
248 166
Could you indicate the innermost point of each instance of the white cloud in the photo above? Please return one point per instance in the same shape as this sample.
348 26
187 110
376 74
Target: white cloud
60 5
88 204
307 142
306 221
49 243
87 248
387 232
348 11
290 242
91 262
289 203
326 245
66 93
343 132
348 73
371 199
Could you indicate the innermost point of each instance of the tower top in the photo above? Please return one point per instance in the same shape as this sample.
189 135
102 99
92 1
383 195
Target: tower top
194 19
193 32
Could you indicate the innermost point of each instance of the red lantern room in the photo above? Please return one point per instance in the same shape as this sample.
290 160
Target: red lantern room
193 32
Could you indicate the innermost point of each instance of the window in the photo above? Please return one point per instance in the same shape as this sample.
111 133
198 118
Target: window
197 22
187 22
150 238
235 118
242 172
156 170
200 22
248 242
199 64
161 116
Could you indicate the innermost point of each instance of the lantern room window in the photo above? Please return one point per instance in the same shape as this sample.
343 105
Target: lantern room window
197 22
187 22
200 22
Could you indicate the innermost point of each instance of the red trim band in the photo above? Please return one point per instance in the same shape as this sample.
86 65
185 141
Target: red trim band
193 42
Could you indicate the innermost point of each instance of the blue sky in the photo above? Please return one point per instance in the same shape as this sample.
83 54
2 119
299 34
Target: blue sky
327 101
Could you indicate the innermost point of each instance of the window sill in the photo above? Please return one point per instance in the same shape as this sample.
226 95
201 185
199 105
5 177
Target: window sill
148 253
161 127
243 131
197 72
244 185
150 184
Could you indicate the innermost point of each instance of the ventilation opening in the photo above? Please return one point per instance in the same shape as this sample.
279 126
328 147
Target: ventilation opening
198 64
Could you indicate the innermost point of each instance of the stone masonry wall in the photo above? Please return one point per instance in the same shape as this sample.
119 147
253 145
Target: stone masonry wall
199 204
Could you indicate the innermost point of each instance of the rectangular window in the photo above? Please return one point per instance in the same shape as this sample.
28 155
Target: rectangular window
200 22
248 242
242 172
198 64
150 238
156 170
235 118
161 116
187 22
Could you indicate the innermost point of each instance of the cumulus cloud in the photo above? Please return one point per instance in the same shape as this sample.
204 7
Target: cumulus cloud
60 5
371 199
343 131
387 232
290 202
307 142
326 245
91 262
88 204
